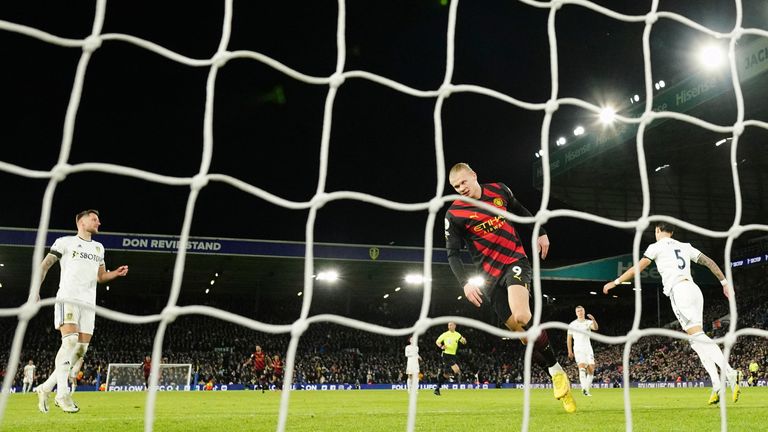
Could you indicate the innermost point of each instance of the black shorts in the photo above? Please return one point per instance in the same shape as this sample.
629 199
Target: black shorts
449 360
517 273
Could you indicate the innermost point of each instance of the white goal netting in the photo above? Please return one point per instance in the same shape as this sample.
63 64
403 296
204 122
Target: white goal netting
335 83
130 377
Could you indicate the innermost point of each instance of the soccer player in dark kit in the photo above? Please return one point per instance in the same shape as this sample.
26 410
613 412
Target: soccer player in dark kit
259 361
499 255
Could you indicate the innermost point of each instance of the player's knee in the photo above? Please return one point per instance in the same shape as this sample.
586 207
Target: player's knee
69 341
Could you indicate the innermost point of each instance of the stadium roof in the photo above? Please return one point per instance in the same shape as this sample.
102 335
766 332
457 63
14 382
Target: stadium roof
274 271
688 167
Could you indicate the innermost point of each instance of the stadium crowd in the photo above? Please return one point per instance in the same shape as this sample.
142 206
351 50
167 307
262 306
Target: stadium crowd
329 353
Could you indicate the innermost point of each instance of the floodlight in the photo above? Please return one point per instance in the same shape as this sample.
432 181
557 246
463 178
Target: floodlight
711 57
578 131
414 279
477 280
607 115
329 276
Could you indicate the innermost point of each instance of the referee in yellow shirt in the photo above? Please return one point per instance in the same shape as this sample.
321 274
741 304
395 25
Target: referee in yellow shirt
753 368
449 343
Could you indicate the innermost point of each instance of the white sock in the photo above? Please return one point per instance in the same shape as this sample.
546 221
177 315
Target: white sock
77 358
590 377
49 383
68 344
706 352
583 378
555 369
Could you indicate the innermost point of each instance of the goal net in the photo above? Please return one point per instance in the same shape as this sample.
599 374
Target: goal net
334 84
130 377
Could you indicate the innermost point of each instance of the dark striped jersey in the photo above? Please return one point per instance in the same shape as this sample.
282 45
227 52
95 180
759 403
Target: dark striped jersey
492 241
259 360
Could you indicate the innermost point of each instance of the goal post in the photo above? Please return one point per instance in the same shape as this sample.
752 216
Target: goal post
130 377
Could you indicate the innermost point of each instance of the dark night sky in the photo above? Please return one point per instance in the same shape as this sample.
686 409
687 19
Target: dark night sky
144 111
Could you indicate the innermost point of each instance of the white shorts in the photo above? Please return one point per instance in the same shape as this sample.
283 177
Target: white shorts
687 303
70 313
27 380
584 357
412 368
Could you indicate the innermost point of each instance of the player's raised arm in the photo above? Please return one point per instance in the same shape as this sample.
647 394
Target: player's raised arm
627 275
594 325
715 269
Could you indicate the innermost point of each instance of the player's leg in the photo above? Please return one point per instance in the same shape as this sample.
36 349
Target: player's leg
687 304
516 313
582 373
441 374
456 372
78 355
590 373
65 320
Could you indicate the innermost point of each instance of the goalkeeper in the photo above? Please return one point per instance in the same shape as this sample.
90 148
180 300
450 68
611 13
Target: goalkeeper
499 255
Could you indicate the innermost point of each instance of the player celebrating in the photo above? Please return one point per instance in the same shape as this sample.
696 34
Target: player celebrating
29 377
412 365
498 253
259 361
277 372
82 267
448 342
580 347
673 260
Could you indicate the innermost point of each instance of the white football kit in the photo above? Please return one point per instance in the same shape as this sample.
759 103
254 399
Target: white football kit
29 374
412 353
80 261
673 260
582 347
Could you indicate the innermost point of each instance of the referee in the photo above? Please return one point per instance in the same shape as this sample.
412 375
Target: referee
448 342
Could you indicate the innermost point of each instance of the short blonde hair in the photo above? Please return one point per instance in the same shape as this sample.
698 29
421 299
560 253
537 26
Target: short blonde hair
458 167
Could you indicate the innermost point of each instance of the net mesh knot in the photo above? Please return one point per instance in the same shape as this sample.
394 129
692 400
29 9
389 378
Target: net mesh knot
336 80
28 310
91 43
60 172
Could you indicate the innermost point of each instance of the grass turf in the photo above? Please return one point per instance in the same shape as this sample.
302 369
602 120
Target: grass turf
386 410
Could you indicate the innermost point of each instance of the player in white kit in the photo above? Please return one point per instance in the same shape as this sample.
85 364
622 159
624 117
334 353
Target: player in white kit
29 377
580 348
673 260
412 367
82 267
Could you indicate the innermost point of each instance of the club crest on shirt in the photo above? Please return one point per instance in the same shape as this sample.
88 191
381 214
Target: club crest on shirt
374 253
69 316
498 202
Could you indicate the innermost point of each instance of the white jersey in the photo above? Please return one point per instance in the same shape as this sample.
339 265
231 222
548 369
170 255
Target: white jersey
29 373
80 261
673 260
580 341
412 354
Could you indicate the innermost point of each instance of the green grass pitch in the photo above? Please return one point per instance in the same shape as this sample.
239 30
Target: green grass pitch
386 410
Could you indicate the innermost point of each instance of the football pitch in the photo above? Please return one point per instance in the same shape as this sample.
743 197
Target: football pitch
386 410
